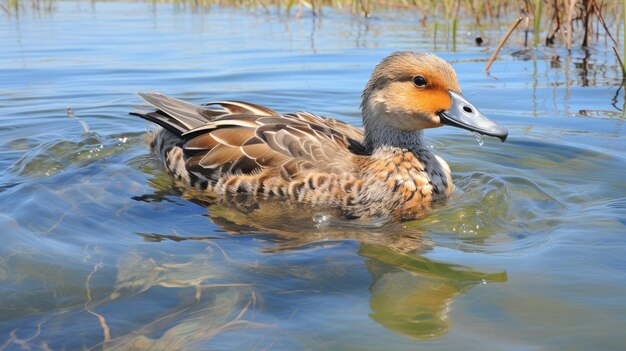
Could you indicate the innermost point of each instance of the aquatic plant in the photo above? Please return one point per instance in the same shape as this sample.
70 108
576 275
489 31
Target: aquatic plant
564 22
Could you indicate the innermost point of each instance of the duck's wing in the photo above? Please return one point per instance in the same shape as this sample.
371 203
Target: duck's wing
332 123
240 137
247 144
179 116
233 107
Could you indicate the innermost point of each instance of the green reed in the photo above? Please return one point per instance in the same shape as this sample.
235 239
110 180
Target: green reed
537 22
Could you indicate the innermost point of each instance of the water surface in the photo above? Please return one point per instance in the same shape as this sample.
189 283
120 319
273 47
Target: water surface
101 250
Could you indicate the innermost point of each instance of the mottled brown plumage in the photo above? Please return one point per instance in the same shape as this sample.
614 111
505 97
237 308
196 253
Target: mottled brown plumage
383 170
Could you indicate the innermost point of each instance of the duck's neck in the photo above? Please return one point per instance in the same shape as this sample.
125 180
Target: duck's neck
379 134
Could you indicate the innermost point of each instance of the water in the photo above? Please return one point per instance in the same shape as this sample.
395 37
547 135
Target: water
101 250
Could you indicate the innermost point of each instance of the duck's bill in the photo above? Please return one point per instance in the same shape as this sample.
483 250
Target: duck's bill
463 114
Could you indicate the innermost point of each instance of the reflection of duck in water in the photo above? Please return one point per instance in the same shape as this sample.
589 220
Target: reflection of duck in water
409 293
384 170
412 295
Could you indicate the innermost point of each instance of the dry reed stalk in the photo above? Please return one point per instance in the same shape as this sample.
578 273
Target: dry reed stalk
608 32
601 18
621 63
586 16
504 39
561 31
476 13
556 24
365 9
526 30
490 11
570 18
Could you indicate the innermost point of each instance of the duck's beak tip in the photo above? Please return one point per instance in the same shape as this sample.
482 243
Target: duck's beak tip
497 131
462 114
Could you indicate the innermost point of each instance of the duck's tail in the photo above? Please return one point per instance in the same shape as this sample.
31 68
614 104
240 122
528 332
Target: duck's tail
174 115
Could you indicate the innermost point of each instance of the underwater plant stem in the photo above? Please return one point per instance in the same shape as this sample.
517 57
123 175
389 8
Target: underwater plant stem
504 39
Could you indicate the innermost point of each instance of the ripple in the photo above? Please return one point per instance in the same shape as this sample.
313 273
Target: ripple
57 156
93 227
489 210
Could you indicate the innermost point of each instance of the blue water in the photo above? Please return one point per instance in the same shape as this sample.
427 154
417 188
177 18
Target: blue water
102 250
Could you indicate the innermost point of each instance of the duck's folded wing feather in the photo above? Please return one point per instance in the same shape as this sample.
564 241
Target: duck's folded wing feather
182 113
240 137
245 144
332 123
179 116
233 107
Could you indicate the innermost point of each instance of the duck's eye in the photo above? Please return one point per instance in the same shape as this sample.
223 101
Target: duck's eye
419 81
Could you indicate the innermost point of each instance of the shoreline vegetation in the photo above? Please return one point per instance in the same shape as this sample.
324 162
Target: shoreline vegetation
554 23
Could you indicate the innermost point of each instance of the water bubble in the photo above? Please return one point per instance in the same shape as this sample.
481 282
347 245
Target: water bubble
321 219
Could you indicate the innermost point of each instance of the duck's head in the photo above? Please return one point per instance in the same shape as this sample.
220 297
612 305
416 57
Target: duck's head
411 91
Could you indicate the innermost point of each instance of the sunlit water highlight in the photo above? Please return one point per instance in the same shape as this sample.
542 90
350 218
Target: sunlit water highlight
101 250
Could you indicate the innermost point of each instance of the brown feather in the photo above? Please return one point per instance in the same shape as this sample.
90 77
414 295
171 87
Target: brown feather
201 142
234 137
244 165
263 155
220 155
243 108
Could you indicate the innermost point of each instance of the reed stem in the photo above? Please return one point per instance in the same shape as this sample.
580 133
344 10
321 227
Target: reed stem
537 21
504 39
570 18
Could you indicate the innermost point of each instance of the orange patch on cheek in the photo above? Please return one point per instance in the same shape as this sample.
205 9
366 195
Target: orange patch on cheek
412 108
431 101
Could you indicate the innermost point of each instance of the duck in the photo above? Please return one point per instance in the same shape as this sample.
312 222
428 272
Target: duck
384 169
